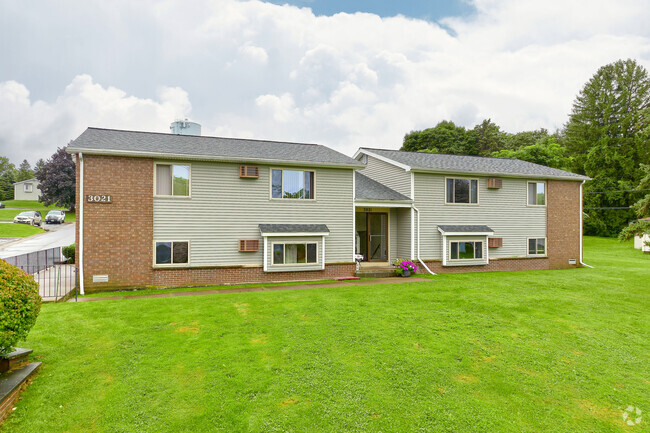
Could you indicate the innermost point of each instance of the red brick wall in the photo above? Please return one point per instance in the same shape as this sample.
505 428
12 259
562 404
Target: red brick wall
118 236
243 275
524 264
563 223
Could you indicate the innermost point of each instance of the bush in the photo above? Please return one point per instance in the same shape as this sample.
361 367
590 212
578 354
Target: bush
20 304
68 252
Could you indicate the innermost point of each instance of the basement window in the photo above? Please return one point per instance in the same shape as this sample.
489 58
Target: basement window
172 253
536 246
298 253
466 250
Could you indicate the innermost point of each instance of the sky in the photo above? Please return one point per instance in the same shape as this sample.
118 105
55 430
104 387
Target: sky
345 74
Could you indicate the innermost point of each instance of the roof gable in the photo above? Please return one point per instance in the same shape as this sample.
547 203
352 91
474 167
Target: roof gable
369 189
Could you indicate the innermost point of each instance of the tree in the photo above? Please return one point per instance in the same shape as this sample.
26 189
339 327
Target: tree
546 151
524 138
607 137
445 137
24 171
57 180
489 137
7 179
38 165
642 209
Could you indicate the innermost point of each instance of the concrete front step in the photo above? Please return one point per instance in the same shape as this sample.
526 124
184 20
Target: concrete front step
375 273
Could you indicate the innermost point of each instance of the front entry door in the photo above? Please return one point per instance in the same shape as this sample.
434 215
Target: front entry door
372 236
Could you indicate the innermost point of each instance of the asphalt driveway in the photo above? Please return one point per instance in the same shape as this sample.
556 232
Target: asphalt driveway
58 236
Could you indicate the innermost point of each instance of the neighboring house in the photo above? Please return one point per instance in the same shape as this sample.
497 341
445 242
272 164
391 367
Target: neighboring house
177 210
165 210
27 190
468 213
641 242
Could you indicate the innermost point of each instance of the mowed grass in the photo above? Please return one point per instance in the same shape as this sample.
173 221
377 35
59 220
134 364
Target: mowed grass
140 292
27 204
551 351
12 230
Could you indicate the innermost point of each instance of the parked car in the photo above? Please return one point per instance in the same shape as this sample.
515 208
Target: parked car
55 217
31 217
2 205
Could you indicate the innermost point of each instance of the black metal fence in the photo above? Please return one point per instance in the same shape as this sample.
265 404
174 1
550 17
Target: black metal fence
56 279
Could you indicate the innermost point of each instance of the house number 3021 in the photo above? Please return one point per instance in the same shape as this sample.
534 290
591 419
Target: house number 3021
99 198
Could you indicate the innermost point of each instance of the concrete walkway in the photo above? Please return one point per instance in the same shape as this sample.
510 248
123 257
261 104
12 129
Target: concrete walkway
349 283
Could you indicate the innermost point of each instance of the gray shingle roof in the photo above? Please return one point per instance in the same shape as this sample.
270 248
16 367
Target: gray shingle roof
368 189
473 164
293 228
152 144
465 229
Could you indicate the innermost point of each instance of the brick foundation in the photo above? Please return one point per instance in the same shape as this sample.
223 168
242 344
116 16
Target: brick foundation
523 264
243 275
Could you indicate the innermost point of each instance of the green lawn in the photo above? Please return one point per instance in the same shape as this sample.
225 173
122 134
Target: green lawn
14 207
11 230
538 351
199 289
27 204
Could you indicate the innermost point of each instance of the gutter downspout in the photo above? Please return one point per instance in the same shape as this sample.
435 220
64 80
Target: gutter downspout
581 212
418 250
81 224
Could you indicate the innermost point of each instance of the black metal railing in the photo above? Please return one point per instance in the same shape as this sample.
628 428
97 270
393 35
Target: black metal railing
57 280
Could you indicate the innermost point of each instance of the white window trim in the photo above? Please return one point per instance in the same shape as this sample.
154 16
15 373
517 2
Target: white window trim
545 247
467 260
448 238
306 200
306 264
155 194
30 189
478 191
172 265
545 194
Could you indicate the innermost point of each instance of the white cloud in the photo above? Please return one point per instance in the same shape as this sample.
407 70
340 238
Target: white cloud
255 69
34 129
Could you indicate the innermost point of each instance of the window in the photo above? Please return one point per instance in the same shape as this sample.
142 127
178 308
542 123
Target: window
28 187
537 246
289 254
296 184
536 194
466 250
462 191
172 253
172 179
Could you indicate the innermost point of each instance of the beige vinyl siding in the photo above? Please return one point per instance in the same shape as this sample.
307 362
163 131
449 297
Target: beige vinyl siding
388 174
503 210
21 194
223 208
403 242
296 240
393 235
